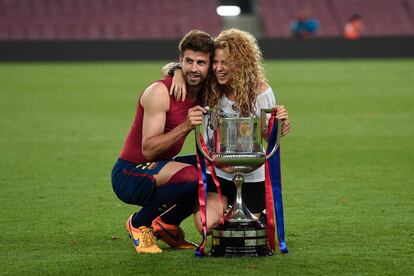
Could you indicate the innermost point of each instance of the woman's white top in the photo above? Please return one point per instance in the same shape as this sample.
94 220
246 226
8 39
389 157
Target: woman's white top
263 100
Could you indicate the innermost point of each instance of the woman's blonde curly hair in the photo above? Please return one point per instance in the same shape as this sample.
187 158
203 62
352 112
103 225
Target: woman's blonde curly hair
244 60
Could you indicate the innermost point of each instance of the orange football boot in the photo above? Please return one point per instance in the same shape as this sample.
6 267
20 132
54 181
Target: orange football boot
171 234
143 238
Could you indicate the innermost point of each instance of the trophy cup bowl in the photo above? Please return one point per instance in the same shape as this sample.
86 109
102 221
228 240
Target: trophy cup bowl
235 145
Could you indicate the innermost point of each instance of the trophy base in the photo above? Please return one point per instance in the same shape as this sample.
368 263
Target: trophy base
240 239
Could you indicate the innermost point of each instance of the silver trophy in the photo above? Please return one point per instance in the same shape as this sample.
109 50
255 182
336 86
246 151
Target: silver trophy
235 145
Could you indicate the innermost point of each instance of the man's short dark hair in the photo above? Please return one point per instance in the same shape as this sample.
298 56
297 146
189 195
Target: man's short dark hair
355 16
197 41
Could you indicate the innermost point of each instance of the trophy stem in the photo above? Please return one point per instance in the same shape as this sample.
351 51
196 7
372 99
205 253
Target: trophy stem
239 212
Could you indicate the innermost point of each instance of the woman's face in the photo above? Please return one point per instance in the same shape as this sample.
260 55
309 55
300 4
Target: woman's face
220 67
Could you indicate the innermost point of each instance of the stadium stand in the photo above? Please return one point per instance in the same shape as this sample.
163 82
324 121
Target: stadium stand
166 19
380 17
105 19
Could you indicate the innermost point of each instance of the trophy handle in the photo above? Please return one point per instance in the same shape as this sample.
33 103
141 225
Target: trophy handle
264 129
198 142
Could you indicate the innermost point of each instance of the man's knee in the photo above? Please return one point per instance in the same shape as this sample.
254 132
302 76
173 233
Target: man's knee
181 187
185 175
176 172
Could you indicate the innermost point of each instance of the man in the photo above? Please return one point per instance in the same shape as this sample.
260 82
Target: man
304 27
146 173
352 29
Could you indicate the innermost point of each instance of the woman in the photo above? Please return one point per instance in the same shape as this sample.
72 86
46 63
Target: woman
238 89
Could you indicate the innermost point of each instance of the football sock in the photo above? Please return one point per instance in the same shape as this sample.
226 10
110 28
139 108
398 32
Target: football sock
179 212
181 190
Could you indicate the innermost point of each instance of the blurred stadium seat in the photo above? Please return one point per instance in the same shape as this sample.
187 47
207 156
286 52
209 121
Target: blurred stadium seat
159 19
105 19
380 17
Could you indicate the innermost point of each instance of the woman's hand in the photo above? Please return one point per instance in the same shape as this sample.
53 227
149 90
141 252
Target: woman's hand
165 68
178 87
281 114
178 83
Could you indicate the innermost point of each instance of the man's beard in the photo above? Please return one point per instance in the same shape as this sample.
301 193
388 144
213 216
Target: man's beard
199 80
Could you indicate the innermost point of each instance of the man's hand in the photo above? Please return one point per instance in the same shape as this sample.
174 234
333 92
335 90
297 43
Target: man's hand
194 117
281 114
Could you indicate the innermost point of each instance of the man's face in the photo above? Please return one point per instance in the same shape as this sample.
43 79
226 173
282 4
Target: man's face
195 67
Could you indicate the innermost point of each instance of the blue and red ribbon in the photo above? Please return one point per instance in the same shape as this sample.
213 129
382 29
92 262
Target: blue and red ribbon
273 186
202 199
202 192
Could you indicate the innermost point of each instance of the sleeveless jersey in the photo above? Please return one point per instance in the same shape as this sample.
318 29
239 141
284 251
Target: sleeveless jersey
176 114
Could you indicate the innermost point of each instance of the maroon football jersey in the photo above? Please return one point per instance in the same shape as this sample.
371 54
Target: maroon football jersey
177 113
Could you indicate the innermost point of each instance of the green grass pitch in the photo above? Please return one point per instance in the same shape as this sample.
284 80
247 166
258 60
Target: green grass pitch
348 170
